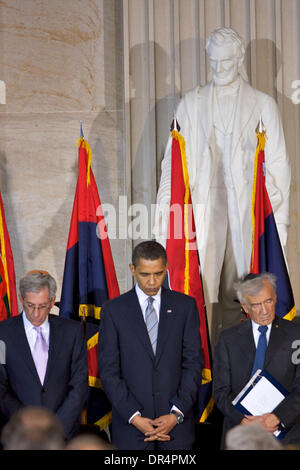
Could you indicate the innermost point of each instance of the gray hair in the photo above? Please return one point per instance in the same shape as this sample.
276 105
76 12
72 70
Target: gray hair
33 428
253 285
34 281
222 36
251 437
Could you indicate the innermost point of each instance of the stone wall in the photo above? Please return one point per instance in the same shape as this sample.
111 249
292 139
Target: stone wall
61 63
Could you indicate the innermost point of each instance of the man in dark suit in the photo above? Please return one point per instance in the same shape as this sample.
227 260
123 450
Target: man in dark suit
45 360
150 358
235 359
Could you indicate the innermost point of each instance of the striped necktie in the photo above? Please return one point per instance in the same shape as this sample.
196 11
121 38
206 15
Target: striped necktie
151 323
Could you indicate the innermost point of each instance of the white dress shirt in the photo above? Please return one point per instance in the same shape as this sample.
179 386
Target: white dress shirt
31 333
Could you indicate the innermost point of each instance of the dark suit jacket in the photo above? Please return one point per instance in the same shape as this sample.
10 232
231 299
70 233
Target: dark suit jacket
66 381
136 380
233 360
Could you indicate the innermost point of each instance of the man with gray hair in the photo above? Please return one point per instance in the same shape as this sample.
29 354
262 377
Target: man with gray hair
253 437
218 123
33 428
263 341
45 356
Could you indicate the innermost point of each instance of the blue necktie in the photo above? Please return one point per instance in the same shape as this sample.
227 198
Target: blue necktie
260 350
151 323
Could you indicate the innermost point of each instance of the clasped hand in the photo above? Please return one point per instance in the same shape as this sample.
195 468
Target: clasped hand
269 421
157 429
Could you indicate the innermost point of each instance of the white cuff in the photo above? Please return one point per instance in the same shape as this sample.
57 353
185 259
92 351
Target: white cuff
135 414
176 409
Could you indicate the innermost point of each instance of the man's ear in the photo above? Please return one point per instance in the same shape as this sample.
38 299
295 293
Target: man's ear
244 306
21 299
132 269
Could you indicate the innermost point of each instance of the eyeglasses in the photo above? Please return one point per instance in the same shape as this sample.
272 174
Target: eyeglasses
31 307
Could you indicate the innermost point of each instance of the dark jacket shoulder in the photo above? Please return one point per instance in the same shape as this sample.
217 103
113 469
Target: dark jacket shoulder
62 322
290 326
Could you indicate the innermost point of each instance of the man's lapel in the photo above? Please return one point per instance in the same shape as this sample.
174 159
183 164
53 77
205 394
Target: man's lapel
55 343
276 338
22 346
247 348
166 322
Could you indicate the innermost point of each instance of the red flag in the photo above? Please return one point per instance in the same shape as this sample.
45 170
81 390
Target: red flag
8 294
183 259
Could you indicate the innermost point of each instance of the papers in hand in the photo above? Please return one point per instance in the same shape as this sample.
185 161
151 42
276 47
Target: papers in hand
260 395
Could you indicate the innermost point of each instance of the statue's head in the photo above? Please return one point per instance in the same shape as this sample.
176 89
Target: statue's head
226 53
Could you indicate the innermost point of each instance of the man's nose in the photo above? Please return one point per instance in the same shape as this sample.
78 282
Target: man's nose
152 280
263 308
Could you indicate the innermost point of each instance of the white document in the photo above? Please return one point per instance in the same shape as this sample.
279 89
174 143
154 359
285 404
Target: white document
263 398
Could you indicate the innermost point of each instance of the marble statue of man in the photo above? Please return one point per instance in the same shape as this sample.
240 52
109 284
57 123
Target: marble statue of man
218 122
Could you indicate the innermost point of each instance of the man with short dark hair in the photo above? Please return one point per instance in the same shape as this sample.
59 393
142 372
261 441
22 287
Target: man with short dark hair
150 358
45 356
236 358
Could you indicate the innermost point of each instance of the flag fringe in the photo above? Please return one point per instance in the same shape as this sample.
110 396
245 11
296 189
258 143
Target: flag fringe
93 341
95 382
177 136
261 141
89 310
207 411
84 144
206 376
291 314
104 421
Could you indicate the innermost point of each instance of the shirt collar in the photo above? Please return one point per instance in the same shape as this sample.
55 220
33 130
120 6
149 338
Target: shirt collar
255 325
